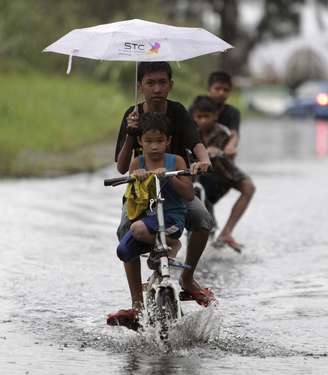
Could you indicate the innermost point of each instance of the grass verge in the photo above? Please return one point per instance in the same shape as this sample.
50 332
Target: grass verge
53 116
54 125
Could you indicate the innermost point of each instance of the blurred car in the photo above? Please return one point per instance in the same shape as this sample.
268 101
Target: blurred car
310 100
268 100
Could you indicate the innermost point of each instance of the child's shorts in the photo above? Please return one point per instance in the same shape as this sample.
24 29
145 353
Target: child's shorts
130 248
217 184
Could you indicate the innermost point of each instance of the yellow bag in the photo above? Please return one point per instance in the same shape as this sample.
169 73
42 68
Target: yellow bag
138 195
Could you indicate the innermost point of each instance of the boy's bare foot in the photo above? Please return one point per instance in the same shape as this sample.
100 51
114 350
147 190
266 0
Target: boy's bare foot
190 285
191 290
223 240
175 246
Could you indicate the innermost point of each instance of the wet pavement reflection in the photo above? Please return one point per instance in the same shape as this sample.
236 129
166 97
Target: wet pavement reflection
59 275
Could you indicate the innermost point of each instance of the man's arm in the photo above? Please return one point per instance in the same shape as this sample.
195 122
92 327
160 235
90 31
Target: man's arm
203 162
230 148
128 127
134 165
182 184
125 155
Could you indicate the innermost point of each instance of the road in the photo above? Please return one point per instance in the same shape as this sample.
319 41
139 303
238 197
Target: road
59 275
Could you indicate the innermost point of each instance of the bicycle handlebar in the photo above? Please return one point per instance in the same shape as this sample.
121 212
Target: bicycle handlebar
126 179
118 181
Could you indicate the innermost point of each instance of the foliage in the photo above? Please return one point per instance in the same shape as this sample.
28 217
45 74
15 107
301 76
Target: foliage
53 114
279 19
44 114
41 111
26 27
29 26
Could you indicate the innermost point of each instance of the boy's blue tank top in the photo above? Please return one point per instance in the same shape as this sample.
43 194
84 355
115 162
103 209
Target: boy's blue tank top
173 203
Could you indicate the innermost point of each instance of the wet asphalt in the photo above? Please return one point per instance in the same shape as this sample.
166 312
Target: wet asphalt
59 275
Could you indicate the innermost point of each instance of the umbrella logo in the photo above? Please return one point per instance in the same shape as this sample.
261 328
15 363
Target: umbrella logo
154 48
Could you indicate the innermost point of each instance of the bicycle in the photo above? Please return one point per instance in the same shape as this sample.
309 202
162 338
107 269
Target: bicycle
162 302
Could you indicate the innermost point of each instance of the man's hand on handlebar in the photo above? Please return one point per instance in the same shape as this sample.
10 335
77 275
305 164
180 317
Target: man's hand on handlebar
142 174
200 166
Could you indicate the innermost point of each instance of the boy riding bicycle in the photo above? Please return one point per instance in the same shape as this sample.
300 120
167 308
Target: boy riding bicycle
226 174
154 139
155 83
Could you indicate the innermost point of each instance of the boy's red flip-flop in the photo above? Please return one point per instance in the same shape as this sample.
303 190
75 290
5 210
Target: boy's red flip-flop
203 297
127 318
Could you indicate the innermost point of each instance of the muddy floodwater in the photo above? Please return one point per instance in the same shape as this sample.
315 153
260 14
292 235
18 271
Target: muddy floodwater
59 274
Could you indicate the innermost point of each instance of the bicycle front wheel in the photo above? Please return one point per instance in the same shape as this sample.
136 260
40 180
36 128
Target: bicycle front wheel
167 310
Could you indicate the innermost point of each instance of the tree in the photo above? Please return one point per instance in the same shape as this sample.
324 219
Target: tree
279 19
27 27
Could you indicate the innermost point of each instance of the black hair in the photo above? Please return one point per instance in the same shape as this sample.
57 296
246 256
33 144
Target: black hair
154 121
221 77
203 103
153 67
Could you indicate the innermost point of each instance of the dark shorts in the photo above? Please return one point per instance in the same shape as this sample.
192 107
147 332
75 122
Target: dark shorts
197 218
129 248
218 183
172 228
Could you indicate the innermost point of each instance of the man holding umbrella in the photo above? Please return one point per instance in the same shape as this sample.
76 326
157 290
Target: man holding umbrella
140 40
155 83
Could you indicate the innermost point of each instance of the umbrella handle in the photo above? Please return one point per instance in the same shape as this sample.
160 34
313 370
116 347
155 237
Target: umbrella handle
70 59
69 66
136 89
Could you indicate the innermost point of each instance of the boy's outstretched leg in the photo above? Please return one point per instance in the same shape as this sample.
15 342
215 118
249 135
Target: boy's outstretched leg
128 251
200 222
196 246
133 275
191 288
247 190
129 318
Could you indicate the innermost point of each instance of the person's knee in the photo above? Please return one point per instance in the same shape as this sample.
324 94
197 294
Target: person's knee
202 223
248 188
122 252
127 248
199 234
138 230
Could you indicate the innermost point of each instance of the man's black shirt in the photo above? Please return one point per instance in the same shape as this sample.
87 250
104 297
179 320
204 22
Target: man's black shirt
182 129
230 117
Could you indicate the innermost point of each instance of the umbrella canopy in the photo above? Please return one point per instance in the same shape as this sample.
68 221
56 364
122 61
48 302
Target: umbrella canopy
138 40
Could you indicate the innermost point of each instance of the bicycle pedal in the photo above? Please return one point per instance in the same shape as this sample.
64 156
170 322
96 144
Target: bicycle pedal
177 264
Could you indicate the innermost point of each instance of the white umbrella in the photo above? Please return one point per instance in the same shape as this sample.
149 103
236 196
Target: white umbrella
137 40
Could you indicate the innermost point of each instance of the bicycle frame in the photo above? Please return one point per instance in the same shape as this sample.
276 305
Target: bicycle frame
161 276
159 262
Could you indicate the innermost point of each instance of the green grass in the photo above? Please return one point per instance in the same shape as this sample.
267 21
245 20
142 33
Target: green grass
55 114
42 115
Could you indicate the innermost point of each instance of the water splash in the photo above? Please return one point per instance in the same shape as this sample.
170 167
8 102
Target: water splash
193 329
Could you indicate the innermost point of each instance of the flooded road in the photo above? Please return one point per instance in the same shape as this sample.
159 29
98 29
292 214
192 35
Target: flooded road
59 275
